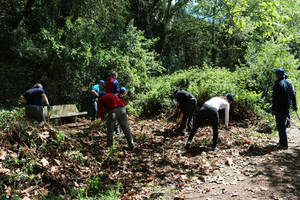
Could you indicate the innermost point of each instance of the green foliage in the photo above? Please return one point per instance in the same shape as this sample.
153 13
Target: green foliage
262 62
9 117
204 84
96 190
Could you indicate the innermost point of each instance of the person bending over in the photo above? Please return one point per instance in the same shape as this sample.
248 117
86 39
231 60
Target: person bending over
116 113
187 103
35 99
209 112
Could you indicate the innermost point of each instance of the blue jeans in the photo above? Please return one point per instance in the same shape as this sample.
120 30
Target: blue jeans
94 109
281 124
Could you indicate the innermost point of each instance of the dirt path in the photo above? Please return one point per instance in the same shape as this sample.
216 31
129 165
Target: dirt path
258 173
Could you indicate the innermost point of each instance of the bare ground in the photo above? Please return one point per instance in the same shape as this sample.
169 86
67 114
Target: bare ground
258 173
246 166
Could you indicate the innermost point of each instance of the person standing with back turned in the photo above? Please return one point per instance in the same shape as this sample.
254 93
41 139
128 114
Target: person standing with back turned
116 113
283 94
112 86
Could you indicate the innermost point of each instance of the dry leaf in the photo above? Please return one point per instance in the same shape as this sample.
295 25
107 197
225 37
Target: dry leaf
2 154
44 162
44 191
8 190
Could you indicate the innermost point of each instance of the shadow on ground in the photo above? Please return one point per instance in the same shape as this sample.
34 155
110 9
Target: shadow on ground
254 150
283 173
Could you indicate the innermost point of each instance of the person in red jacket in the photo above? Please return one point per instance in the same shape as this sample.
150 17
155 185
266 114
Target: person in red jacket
112 84
116 113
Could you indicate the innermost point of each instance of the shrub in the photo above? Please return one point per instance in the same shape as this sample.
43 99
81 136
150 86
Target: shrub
203 83
262 61
8 117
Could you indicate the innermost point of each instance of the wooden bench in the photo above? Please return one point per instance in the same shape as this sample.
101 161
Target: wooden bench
64 111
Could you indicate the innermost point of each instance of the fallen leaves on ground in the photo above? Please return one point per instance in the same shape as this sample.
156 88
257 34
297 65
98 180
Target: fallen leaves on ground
160 161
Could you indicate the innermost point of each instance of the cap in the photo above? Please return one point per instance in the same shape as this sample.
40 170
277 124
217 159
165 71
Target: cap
229 97
279 72
175 92
123 90
102 82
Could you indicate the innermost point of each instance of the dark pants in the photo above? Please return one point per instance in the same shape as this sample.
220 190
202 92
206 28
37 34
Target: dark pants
118 115
94 109
188 112
34 112
206 116
281 124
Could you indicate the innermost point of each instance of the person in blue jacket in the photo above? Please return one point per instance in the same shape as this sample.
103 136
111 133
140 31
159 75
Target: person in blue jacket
283 96
35 99
96 92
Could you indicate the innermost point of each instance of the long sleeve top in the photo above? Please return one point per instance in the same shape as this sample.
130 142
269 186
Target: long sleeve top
220 104
183 98
110 101
283 96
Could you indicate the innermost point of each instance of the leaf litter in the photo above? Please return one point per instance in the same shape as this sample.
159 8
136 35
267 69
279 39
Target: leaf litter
160 163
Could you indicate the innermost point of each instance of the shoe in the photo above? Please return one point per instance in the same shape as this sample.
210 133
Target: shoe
181 132
282 147
132 148
215 148
187 146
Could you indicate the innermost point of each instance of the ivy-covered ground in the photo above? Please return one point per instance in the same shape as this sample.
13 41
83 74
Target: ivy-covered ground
71 162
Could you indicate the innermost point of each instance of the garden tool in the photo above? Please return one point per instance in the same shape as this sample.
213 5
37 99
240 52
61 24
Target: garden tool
293 123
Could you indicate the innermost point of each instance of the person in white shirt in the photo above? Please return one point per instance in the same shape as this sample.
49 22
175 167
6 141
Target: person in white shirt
209 112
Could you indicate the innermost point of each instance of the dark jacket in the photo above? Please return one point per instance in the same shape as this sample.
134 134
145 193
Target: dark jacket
34 96
183 98
283 95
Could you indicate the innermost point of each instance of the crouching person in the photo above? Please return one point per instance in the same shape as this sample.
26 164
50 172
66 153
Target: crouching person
209 112
35 99
116 113
187 103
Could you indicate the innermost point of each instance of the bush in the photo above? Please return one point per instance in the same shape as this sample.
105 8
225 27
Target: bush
8 117
203 83
262 61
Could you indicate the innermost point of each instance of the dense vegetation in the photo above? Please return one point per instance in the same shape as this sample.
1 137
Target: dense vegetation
68 46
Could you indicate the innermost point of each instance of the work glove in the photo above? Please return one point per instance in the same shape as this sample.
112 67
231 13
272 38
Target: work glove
296 108
48 107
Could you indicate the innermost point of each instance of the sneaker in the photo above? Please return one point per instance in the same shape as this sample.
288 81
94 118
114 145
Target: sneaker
282 147
215 148
181 132
187 146
132 148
